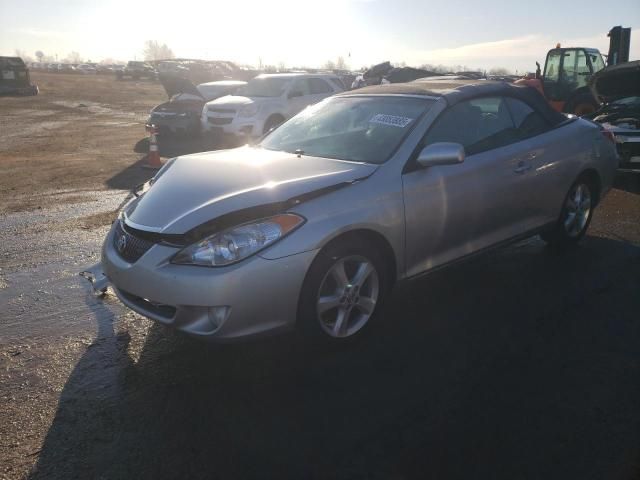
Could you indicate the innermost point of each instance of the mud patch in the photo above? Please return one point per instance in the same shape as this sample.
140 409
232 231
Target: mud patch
14 136
97 220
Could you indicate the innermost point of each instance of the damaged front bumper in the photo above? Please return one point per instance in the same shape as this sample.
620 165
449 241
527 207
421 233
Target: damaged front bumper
96 277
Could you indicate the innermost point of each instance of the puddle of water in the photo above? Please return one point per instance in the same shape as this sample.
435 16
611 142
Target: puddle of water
120 124
42 294
100 109
31 112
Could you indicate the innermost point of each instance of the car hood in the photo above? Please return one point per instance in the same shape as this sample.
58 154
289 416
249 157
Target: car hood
238 101
198 188
617 81
174 84
179 105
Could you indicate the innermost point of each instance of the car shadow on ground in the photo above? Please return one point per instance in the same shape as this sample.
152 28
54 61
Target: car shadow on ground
133 175
173 146
521 363
168 147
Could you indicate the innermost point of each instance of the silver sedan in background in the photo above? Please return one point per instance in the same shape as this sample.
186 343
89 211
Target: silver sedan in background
312 227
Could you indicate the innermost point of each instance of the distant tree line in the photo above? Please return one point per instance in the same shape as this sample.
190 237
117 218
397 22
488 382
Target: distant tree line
154 50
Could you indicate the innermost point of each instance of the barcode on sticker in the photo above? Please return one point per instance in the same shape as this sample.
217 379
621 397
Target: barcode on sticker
391 120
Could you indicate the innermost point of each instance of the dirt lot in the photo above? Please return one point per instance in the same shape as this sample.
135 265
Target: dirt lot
520 364
76 136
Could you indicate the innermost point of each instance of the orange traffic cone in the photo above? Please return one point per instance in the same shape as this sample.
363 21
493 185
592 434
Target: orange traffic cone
153 157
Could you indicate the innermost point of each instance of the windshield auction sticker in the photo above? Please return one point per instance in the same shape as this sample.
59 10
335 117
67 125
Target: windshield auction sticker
390 120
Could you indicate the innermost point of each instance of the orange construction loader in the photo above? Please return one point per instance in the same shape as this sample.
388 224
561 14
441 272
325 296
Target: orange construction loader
564 82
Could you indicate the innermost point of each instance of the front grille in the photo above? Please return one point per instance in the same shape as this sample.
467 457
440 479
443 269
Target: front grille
128 246
222 110
220 121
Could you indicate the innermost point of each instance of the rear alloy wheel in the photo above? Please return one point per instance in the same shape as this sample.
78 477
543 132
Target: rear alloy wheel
343 292
577 210
575 217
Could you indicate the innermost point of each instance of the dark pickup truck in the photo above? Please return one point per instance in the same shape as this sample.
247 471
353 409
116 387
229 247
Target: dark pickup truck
14 77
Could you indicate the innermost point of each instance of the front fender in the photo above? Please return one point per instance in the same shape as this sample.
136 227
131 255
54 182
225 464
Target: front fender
372 204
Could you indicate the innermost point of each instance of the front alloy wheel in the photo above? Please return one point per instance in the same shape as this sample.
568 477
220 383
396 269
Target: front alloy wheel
347 297
344 291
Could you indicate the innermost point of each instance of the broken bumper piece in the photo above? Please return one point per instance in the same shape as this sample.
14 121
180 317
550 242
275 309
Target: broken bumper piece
96 277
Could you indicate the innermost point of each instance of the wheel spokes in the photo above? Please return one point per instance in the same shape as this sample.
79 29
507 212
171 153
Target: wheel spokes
570 221
366 305
361 275
328 302
577 199
340 275
342 322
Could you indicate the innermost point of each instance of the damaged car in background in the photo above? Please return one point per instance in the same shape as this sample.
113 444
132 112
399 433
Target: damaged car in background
181 114
15 78
312 227
618 88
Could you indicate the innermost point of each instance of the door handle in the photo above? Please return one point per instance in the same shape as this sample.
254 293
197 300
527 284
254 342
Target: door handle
522 167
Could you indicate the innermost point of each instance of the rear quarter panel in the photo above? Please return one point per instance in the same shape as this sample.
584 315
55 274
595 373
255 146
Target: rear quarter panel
573 148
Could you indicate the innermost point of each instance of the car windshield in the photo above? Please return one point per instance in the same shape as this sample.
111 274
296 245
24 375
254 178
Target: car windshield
264 87
359 129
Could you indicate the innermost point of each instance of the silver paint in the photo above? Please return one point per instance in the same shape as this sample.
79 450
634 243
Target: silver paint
427 216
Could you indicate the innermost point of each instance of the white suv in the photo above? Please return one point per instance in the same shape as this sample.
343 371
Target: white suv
265 102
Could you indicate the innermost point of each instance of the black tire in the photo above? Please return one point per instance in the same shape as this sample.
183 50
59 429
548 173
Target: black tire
272 122
560 236
308 321
582 104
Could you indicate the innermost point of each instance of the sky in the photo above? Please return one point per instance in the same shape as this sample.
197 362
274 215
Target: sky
478 34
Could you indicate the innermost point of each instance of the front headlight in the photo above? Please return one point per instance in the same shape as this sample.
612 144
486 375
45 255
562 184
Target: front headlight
249 110
237 243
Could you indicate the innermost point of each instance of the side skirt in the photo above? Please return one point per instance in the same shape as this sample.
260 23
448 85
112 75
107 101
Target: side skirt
482 251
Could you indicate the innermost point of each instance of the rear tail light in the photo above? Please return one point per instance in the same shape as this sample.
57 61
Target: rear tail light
608 134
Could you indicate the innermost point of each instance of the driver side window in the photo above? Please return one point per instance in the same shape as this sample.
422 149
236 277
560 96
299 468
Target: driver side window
478 125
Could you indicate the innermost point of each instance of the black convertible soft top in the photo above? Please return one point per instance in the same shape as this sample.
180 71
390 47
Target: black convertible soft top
456 91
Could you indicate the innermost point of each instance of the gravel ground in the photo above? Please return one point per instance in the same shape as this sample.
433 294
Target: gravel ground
519 364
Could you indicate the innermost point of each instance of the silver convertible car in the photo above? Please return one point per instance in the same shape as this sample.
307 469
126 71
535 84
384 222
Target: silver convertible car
312 227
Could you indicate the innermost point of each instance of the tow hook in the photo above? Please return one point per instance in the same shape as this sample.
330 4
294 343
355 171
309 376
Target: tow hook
96 277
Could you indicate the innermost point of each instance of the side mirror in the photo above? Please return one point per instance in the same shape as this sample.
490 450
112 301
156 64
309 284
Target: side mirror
294 94
443 153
